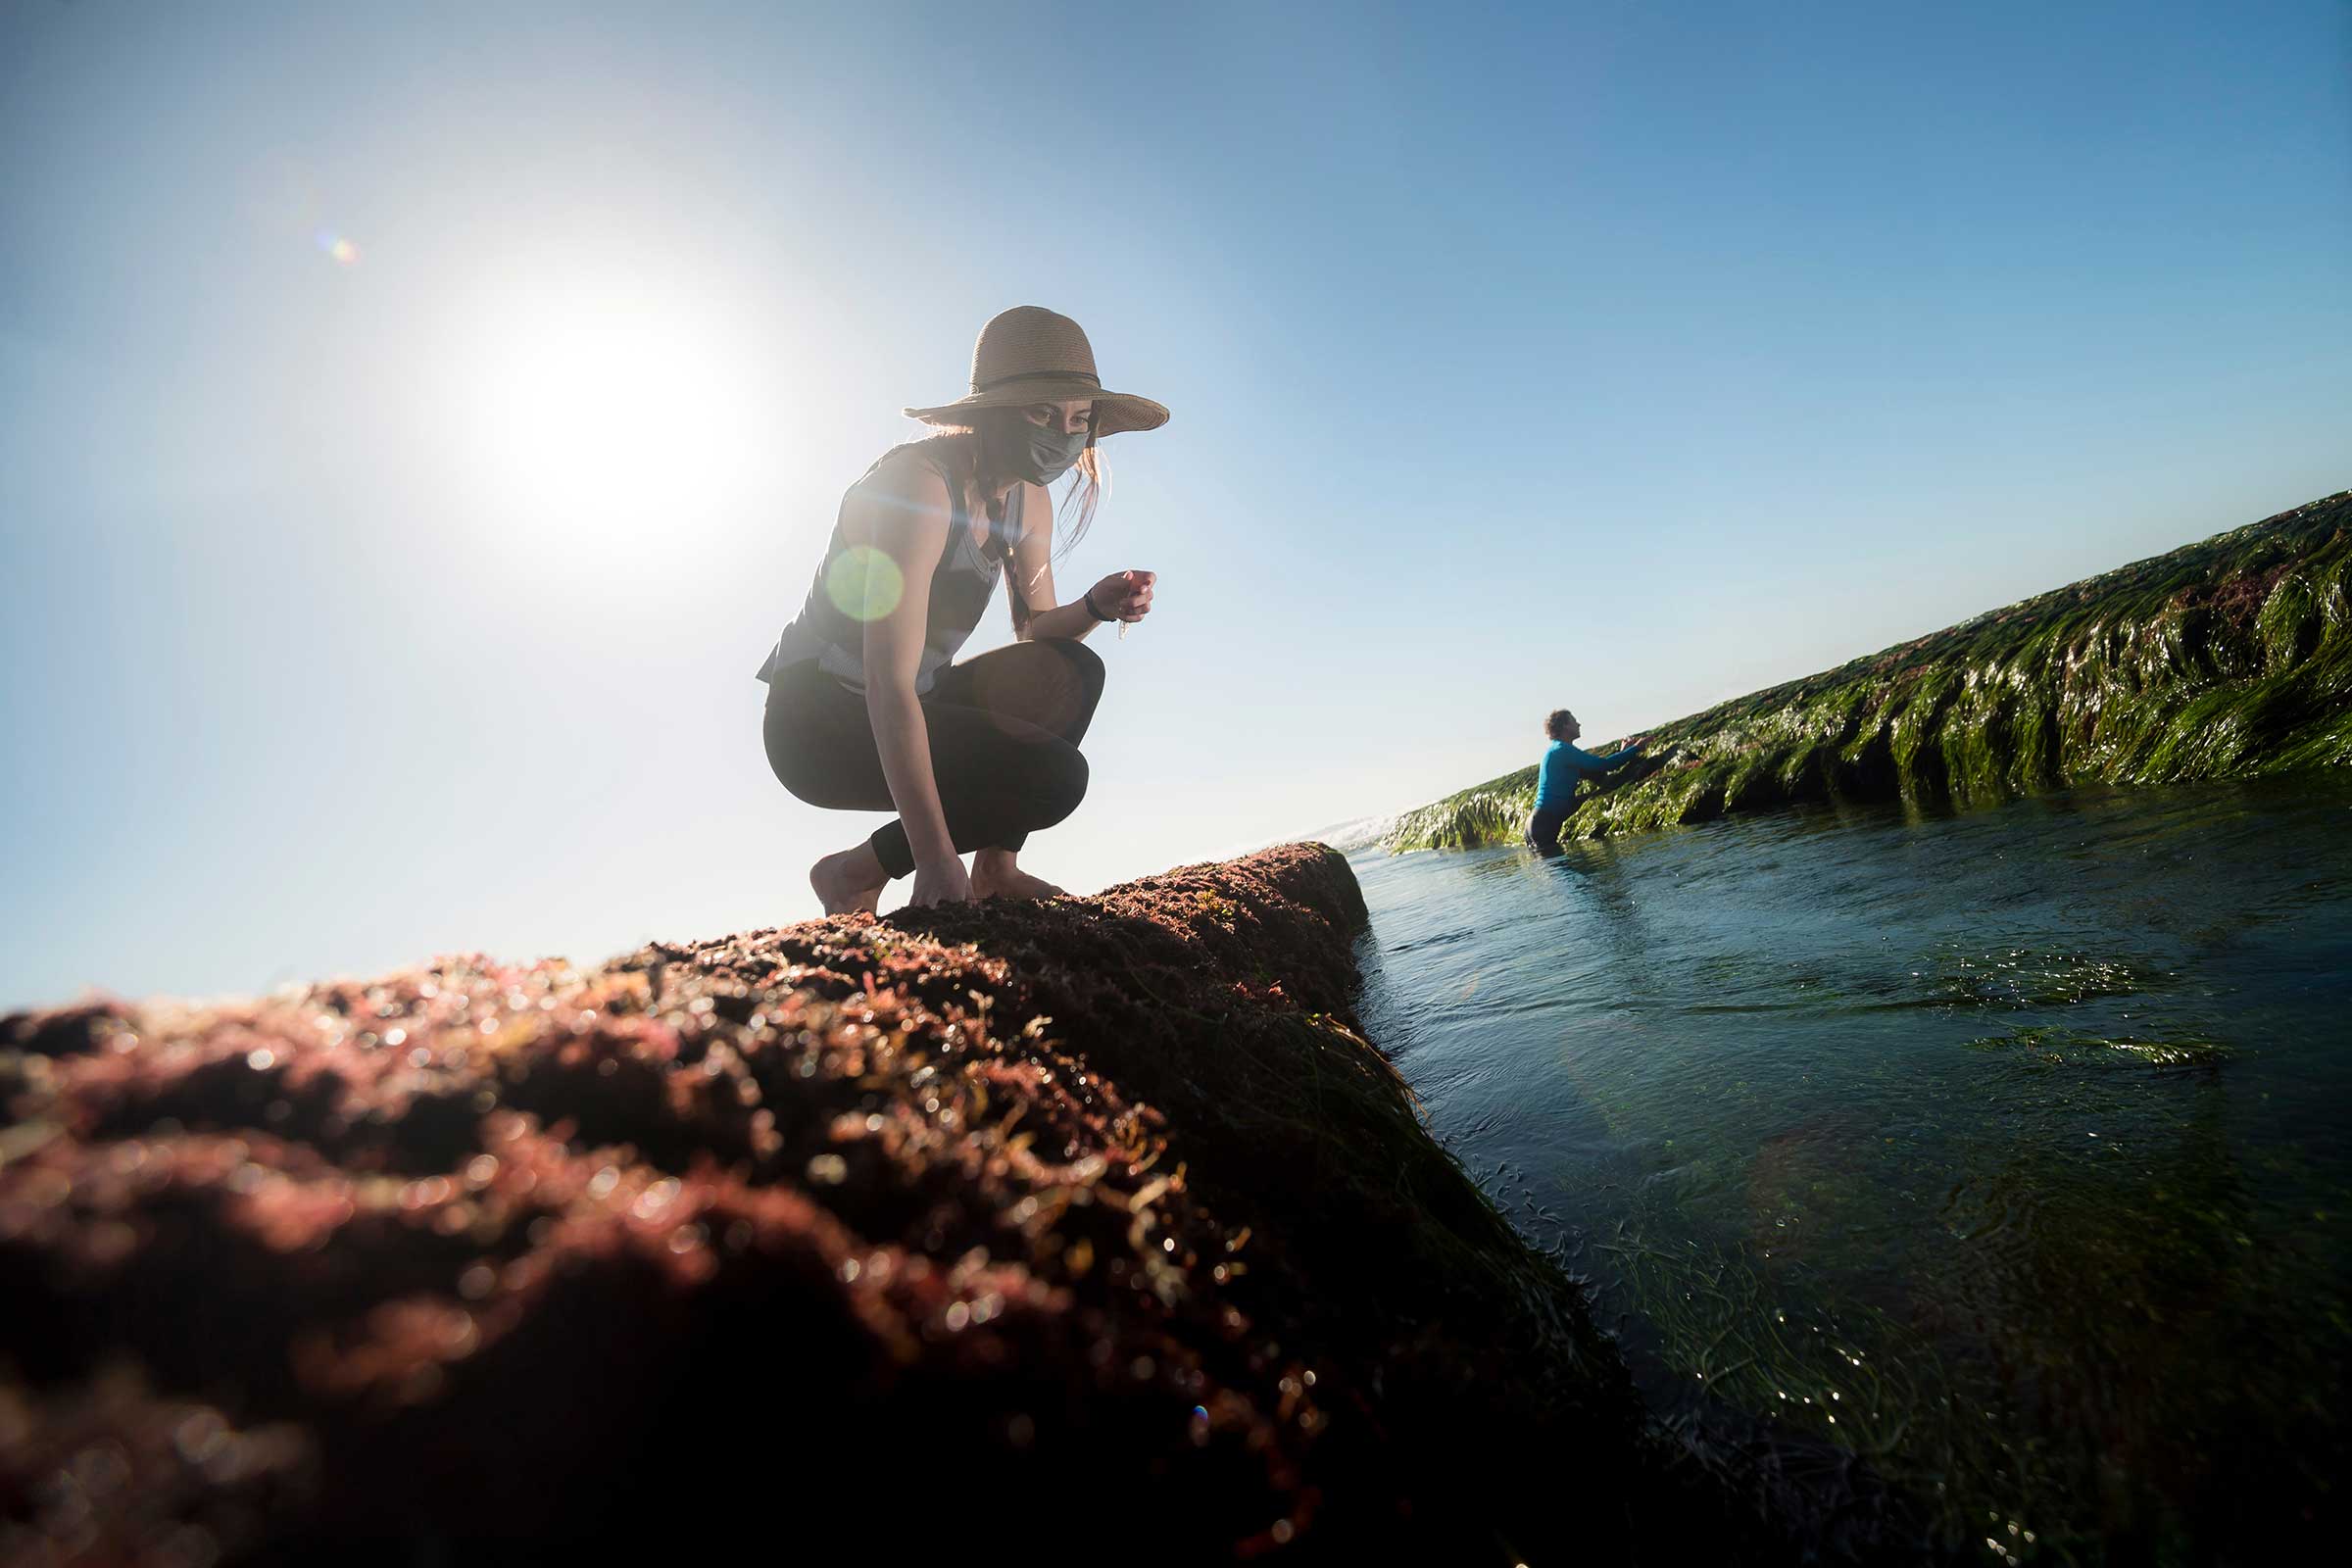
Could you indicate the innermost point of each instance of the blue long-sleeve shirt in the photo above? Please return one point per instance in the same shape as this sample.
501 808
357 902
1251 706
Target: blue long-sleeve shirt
1563 766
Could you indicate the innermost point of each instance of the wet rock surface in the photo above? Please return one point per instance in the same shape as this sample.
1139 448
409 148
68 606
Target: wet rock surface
2226 658
1088 1225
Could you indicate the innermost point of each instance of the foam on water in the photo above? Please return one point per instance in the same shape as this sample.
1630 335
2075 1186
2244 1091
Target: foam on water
1356 833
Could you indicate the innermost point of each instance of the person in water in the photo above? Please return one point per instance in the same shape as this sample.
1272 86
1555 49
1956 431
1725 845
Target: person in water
865 710
1562 768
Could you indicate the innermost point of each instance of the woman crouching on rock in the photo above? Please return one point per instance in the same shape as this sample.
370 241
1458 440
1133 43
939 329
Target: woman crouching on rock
866 711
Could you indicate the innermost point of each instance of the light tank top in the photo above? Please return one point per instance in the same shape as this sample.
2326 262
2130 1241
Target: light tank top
828 633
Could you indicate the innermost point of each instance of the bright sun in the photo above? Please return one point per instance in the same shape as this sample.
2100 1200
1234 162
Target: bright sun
606 406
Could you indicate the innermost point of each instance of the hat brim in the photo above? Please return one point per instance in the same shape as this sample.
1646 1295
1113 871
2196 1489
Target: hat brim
1115 412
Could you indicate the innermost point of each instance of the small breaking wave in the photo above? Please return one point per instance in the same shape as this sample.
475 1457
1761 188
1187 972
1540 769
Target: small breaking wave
1355 833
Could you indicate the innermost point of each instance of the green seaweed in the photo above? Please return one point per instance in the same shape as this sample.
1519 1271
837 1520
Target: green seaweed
2226 658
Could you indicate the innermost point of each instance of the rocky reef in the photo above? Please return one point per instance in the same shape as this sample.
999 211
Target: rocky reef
1089 1225
2226 658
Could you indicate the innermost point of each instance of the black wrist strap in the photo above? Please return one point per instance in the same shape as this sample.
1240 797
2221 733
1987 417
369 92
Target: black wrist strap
1089 598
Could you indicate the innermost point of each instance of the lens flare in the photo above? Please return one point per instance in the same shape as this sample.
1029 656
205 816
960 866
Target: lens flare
337 248
865 583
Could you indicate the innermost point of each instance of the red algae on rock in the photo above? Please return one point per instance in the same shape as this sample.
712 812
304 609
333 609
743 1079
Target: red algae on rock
1093 1215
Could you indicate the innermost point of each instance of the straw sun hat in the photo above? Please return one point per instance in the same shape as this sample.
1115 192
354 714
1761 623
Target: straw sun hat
1031 355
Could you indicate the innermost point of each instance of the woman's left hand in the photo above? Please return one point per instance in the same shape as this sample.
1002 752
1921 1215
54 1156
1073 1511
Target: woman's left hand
1124 595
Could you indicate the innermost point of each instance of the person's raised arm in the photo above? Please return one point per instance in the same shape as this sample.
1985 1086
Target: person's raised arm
902 511
1625 754
1586 762
1121 596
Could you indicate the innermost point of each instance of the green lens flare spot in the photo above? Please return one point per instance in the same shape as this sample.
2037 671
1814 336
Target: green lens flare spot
865 583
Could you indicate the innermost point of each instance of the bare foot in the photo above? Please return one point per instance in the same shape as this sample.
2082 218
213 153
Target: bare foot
1010 882
850 880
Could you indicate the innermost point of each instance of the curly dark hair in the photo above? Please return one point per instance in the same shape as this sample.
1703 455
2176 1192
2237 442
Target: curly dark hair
1559 719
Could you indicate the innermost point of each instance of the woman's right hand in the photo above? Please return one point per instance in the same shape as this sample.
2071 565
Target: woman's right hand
939 882
1123 595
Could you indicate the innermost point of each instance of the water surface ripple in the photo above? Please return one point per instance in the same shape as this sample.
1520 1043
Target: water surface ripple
2003 1152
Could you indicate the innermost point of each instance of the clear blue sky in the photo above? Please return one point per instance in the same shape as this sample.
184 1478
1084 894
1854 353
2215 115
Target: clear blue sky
415 423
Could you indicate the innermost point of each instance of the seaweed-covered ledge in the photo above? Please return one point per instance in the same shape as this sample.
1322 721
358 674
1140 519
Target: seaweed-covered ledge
1093 1224
2222 660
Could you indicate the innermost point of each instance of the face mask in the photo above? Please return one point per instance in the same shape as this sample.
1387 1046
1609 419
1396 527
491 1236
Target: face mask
1037 453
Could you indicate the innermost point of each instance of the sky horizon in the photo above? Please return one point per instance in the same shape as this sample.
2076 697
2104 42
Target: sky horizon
416 428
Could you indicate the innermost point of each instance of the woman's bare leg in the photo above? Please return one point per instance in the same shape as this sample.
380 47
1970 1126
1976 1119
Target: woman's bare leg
853 879
996 874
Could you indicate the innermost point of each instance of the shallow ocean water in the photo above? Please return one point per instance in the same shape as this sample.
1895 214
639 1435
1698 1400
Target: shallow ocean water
2000 1157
